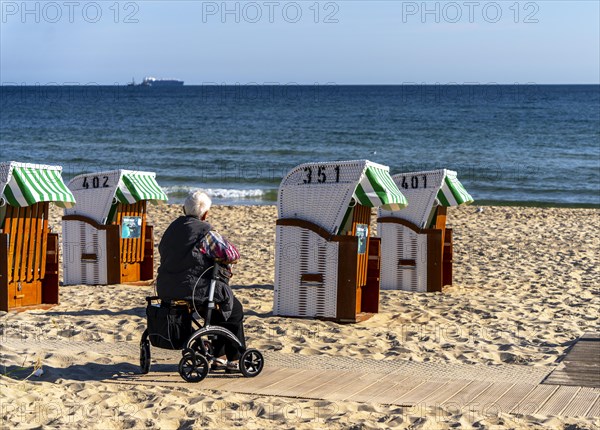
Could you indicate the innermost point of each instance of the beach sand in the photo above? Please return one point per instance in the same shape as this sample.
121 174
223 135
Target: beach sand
525 286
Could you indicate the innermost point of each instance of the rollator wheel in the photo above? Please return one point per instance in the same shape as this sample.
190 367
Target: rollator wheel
193 367
145 354
251 363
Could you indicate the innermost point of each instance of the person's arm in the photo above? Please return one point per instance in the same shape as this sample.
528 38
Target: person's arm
217 247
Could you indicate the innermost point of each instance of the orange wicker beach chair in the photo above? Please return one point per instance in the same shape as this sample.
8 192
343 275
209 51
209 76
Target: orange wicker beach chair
29 251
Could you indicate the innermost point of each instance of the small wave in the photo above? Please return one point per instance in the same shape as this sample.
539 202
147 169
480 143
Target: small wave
179 192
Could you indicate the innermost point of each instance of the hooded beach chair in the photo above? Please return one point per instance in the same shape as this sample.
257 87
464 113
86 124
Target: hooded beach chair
29 252
416 245
326 261
107 239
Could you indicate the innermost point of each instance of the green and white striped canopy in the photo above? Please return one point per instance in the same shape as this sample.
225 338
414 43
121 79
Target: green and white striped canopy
377 189
23 184
134 187
453 193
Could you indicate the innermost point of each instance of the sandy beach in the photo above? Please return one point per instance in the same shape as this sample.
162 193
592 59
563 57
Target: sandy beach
525 287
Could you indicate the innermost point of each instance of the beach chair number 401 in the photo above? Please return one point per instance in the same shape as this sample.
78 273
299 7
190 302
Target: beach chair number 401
95 182
414 182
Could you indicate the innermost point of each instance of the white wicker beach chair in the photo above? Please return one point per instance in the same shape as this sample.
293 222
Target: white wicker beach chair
29 267
326 263
97 250
416 245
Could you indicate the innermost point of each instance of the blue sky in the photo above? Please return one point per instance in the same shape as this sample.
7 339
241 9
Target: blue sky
343 42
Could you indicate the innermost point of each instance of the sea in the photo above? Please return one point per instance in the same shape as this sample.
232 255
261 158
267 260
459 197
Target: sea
532 145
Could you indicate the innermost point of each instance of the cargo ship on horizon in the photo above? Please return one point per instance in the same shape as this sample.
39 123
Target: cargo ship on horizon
154 82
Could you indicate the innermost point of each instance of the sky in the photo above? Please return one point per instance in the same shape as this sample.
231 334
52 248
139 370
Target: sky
304 42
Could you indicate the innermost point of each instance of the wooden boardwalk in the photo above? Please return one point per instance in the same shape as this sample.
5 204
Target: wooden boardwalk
457 388
581 366
396 389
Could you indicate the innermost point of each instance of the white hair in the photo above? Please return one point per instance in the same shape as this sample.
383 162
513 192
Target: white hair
197 203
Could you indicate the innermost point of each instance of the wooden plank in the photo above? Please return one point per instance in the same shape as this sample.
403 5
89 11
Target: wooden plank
325 379
594 410
512 397
11 223
317 388
113 254
346 294
593 336
26 259
469 393
46 213
287 388
581 403
581 365
4 273
397 393
33 244
280 378
370 391
434 260
452 389
29 271
420 393
18 248
363 382
534 400
576 380
337 385
495 391
38 242
135 249
447 257
142 243
584 351
126 254
268 377
370 297
49 285
558 401
147 265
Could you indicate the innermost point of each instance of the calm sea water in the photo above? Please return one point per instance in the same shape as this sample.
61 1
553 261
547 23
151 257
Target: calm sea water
535 145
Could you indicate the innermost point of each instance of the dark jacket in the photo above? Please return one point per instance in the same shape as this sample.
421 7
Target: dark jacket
182 264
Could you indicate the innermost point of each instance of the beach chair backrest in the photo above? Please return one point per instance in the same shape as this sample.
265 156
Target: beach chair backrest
98 194
426 191
322 192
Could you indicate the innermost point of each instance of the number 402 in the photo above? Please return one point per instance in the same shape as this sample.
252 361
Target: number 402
95 182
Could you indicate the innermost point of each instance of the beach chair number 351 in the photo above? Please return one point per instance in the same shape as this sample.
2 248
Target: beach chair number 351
321 174
95 182
414 182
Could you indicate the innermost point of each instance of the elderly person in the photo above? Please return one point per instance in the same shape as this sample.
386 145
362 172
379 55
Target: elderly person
187 249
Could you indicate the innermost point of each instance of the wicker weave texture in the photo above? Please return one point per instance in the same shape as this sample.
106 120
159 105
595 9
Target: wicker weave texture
400 243
303 252
320 192
420 188
81 238
94 202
